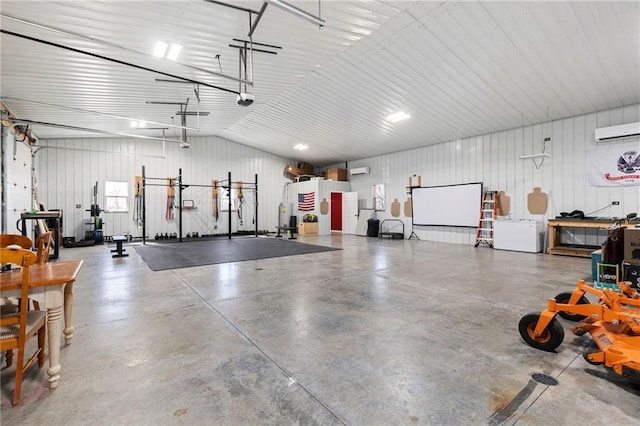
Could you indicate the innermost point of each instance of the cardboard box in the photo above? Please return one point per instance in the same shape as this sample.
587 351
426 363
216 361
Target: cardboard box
336 174
306 229
632 245
305 168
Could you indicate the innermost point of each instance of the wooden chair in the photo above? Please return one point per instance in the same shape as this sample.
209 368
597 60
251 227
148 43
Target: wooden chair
44 246
21 241
17 329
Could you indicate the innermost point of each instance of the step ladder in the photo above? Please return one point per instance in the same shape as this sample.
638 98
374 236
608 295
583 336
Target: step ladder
484 236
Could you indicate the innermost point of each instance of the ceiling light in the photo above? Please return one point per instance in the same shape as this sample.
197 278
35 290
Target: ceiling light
164 50
137 124
397 116
160 50
300 147
174 51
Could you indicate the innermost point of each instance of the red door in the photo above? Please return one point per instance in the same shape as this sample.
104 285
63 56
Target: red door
336 211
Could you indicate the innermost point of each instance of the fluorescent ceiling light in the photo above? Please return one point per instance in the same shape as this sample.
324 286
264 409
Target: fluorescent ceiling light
160 50
137 124
300 147
397 116
164 50
174 50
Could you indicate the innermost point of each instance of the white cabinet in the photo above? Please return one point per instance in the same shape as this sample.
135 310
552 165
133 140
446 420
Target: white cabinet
518 235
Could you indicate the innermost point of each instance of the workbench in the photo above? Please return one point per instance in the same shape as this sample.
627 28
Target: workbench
581 250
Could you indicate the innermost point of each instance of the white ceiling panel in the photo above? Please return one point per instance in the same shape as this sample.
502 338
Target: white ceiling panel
458 68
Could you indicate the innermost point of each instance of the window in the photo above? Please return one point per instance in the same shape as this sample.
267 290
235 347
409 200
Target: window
116 196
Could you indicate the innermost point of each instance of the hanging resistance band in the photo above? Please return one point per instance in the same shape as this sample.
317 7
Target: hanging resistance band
137 207
240 202
214 202
171 196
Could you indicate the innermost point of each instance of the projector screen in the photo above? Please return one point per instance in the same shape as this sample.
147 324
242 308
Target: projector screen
449 205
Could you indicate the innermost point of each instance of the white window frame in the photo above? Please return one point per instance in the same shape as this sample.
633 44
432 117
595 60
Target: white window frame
116 196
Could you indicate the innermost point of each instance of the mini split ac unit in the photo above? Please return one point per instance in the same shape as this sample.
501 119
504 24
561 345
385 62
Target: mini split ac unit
359 171
617 132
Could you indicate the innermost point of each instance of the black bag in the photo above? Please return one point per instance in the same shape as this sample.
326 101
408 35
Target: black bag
613 247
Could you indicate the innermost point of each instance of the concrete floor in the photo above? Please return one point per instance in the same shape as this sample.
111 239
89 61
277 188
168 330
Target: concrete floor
383 332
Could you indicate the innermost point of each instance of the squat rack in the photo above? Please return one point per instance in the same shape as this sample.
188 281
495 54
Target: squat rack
181 187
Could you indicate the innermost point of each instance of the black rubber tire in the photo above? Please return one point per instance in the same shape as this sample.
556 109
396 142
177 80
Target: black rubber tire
550 339
564 299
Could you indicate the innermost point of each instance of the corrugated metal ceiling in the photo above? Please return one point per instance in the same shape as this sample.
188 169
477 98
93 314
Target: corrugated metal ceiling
458 68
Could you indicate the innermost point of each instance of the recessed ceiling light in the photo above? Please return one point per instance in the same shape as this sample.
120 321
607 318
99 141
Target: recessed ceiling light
161 49
397 116
174 51
300 147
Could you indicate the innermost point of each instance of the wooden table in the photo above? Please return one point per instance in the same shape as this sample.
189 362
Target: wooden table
51 283
555 225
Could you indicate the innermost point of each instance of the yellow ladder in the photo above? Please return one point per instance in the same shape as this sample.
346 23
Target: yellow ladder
484 235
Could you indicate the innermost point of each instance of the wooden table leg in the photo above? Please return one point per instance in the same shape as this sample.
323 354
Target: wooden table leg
54 302
68 313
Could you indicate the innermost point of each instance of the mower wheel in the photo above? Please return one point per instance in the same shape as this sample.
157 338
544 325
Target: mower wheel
564 299
551 337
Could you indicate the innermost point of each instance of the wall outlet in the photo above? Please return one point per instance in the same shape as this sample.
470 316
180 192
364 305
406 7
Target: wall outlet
615 203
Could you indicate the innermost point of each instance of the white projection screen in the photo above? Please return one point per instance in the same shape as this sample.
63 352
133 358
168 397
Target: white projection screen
449 205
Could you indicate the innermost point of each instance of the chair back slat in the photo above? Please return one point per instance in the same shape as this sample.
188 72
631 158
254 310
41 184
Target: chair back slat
43 244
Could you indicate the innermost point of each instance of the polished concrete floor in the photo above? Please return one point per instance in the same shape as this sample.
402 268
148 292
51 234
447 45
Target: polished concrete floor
383 332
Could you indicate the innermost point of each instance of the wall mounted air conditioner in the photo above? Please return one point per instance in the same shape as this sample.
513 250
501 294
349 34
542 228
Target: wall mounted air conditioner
617 132
359 171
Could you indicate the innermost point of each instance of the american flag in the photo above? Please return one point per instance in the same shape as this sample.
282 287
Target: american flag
306 201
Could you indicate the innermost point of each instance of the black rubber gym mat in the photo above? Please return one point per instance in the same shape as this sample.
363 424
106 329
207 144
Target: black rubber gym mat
207 252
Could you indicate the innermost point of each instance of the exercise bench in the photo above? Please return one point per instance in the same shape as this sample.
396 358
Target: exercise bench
120 252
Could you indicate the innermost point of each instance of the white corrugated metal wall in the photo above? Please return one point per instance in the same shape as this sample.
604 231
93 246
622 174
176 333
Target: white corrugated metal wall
67 175
69 168
494 160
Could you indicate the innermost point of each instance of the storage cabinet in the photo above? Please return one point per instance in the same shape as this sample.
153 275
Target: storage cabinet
525 235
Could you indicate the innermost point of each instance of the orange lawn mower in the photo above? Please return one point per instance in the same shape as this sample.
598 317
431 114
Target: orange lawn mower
613 322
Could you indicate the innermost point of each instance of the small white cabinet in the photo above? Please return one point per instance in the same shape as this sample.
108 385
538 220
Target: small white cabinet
518 235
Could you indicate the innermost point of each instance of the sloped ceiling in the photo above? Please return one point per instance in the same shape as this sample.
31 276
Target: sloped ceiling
458 68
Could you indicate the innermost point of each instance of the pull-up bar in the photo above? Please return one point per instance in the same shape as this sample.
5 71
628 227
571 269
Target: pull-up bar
181 187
